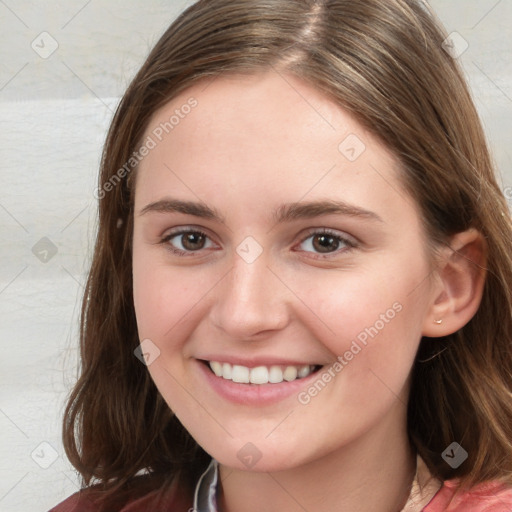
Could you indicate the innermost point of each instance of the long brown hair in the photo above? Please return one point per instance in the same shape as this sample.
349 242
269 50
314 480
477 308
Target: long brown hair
382 61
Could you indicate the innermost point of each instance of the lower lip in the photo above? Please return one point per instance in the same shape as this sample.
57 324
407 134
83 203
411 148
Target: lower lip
255 394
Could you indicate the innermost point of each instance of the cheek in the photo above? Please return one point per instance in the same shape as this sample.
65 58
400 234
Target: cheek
160 299
154 294
373 321
169 301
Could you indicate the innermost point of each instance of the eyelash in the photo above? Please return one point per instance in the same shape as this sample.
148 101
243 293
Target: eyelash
348 242
179 252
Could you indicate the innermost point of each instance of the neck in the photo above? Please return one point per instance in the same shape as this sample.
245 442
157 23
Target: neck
374 473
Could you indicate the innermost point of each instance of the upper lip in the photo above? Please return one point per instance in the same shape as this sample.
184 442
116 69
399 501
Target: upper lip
258 361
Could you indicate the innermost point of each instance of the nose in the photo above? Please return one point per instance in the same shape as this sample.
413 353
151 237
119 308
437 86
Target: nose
251 300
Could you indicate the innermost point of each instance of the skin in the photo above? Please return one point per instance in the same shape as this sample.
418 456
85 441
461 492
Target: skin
252 144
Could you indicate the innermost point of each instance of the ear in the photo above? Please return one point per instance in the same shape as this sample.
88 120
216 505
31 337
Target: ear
459 284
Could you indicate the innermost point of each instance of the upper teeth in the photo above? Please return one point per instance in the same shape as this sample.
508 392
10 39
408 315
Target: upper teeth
260 374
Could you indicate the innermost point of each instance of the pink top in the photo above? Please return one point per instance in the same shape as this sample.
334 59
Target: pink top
490 497
431 495
427 495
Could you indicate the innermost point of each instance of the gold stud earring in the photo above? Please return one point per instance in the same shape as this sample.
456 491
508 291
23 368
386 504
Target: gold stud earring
438 321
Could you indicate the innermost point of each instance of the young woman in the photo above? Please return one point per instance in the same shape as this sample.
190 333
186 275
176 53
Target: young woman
300 297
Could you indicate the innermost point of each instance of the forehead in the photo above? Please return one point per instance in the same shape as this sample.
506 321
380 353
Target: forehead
267 138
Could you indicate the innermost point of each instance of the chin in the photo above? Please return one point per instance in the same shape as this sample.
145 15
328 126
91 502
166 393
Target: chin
257 456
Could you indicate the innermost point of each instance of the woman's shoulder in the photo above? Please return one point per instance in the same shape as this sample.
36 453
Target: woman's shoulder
487 497
174 497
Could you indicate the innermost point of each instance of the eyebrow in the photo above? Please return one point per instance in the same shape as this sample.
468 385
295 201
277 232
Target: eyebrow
285 213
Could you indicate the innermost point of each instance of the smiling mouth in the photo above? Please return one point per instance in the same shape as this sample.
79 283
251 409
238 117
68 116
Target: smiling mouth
274 374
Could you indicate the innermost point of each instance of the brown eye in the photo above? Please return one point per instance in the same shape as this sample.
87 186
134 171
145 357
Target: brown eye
187 241
325 243
193 241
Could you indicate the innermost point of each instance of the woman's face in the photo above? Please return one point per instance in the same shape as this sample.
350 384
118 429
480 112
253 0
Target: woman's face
272 237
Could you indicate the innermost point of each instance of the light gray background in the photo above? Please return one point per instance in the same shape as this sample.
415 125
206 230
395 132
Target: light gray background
54 112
